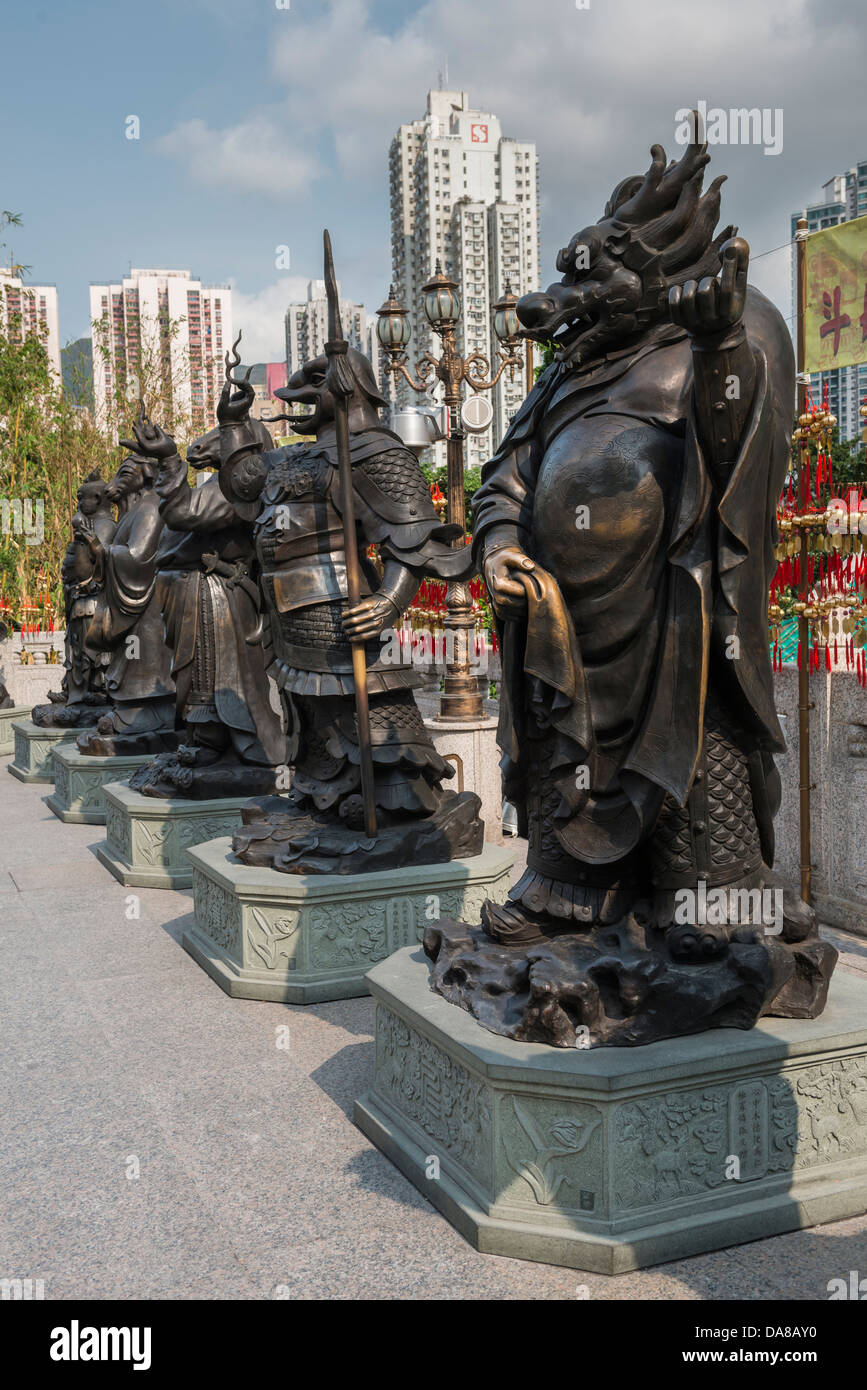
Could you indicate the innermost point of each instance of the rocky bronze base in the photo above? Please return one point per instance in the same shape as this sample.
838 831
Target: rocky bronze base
626 984
83 714
279 835
96 744
185 773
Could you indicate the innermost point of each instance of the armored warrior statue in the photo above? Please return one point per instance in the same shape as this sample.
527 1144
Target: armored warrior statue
207 591
292 497
625 528
81 700
127 624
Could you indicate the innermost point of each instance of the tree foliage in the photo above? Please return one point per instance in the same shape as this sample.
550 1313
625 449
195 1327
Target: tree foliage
49 442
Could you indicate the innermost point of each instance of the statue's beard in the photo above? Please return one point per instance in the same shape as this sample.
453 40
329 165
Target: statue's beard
126 497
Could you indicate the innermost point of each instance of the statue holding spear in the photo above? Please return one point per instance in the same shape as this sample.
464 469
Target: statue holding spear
367 782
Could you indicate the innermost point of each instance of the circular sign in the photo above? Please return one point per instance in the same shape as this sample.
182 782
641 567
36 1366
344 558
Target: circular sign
476 414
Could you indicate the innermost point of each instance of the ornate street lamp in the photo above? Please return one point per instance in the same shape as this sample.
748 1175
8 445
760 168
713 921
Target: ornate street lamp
461 697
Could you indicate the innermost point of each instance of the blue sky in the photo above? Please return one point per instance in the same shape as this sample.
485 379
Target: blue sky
261 125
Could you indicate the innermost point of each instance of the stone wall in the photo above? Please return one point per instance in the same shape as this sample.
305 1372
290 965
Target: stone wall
29 685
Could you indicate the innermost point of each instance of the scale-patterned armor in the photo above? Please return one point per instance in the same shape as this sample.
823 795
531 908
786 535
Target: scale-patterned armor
300 546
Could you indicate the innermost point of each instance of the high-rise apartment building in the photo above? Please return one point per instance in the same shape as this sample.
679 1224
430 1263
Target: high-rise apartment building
28 311
265 379
466 195
307 326
161 317
845 198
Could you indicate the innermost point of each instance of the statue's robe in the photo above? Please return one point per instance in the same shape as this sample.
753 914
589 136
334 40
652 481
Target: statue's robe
138 679
83 580
211 606
663 590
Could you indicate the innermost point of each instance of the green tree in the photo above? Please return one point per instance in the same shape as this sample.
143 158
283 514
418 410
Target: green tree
49 443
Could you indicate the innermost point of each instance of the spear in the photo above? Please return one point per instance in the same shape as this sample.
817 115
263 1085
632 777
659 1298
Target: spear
339 380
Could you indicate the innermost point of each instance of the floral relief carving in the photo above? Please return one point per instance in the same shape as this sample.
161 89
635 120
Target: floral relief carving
152 843
565 1137
269 938
118 831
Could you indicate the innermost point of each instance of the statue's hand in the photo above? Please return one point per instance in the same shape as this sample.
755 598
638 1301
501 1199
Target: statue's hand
235 400
508 594
369 618
150 439
93 543
714 304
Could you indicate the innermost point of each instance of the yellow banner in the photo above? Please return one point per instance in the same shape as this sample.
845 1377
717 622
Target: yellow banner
836 308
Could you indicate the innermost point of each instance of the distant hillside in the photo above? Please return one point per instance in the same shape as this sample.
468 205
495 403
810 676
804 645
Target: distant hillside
76 365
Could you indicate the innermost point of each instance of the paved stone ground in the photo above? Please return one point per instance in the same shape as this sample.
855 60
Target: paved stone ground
117 1048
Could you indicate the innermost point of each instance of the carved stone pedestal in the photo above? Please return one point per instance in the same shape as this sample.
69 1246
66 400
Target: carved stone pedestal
617 1158
78 782
8 717
34 750
147 837
306 938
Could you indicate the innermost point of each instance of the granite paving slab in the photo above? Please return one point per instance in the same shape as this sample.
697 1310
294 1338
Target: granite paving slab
254 1183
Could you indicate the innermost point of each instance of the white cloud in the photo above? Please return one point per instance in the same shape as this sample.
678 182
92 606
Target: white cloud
252 157
260 317
593 88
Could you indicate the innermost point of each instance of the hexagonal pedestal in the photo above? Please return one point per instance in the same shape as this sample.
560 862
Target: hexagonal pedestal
78 782
306 938
34 750
147 837
619 1157
8 717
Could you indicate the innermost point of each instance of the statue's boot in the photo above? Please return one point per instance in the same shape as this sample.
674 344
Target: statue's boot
81 715
207 766
799 919
512 924
130 730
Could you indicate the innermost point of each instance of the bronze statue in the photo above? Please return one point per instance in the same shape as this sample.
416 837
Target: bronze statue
296 504
81 700
127 624
208 594
625 528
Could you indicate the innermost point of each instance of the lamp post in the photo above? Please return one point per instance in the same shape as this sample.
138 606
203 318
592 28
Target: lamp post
461 697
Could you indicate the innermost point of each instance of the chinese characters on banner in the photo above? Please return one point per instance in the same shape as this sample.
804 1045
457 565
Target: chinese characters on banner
836 307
